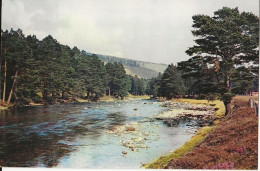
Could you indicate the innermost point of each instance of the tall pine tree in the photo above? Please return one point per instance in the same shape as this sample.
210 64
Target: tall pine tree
228 38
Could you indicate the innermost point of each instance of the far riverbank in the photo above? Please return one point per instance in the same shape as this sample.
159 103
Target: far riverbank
80 100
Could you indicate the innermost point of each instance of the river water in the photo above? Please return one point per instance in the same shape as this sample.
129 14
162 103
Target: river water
76 135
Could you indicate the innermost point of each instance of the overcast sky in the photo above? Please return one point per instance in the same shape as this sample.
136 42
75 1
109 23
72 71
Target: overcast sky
149 30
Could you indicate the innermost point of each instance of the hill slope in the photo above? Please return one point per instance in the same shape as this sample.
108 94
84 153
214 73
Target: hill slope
133 67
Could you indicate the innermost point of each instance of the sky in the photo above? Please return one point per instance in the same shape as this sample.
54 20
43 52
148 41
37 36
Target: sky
156 31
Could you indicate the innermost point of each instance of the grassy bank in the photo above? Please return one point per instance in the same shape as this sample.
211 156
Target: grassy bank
128 97
3 108
133 97
195 140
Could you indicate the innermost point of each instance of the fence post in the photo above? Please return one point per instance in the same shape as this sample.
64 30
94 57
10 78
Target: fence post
254 104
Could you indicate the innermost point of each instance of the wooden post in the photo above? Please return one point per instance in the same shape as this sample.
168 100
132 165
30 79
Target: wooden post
254 104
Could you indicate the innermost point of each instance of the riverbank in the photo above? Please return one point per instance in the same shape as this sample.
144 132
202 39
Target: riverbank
3 108
230 143
79 100
219 109
128 97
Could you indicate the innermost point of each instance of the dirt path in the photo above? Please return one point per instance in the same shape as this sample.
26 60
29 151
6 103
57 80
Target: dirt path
232 145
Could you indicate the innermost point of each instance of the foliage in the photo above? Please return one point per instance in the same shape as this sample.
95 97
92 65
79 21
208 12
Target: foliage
47 71
154 85
19 60
137 85
171 83
96 78
118 82
225 42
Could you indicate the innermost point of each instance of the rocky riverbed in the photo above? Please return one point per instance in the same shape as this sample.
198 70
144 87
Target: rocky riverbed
201 112
134 135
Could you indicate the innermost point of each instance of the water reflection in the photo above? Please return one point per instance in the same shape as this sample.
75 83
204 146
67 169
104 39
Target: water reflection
180 122
30 136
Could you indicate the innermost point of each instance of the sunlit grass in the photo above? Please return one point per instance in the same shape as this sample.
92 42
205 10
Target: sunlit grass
3 108
82 100
144 97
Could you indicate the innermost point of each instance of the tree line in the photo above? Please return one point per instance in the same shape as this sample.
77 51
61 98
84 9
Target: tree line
34 70
224 62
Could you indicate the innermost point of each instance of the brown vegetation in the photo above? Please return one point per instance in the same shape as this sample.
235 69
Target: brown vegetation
232 144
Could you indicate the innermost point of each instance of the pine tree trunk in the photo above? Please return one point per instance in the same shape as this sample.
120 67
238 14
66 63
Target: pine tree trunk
44 94
228 108
63 94
4 88
13 86
109 91
227 83
227 103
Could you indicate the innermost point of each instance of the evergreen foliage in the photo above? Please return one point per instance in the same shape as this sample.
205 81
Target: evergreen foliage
137 86
46 71
172 85
224 60
154 85
225 42
118 81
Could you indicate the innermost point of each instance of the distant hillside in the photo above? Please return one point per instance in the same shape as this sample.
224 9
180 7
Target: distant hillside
140 68
140 71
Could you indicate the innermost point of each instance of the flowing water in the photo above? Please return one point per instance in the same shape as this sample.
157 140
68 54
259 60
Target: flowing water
76 135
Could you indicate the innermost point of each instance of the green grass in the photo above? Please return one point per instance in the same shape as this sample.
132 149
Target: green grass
195 140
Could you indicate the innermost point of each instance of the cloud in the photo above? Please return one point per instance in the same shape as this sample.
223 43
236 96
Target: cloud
149 30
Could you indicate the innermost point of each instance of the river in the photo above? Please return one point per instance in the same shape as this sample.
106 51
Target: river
76 135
